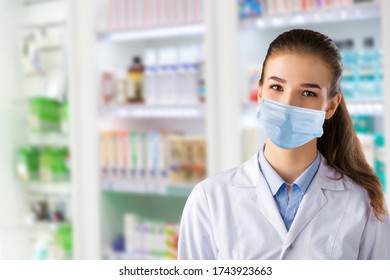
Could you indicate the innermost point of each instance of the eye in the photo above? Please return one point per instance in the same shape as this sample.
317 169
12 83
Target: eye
309 93
276 87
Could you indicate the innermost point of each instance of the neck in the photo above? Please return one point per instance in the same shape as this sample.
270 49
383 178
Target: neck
290 163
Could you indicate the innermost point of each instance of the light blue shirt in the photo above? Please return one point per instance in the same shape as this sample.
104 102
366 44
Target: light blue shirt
288 204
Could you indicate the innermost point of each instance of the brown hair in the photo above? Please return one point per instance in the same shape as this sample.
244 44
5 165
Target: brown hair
339 144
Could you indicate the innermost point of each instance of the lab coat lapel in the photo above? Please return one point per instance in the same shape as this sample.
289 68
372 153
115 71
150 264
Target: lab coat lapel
311 203
266 204
314 199
250 180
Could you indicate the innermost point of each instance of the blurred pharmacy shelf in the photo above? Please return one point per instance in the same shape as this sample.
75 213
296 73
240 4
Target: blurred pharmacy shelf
153 111
152 33
36 2
339 14
365 108
35 227
147 188
50 189
42 25
54 139
39 226
39 194
135 94
112 255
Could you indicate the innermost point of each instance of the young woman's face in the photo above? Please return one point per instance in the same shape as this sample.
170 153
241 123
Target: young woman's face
297 80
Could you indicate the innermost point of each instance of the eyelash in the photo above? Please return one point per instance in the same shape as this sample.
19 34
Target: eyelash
312 94
272 87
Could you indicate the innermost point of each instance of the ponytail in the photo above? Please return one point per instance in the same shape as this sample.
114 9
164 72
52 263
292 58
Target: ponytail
342 149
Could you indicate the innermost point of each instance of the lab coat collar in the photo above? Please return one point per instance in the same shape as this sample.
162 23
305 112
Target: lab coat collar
248 176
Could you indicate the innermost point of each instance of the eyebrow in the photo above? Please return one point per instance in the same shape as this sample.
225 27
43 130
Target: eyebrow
280 80
283 81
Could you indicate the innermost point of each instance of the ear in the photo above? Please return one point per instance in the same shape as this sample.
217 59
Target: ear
332 106
259 94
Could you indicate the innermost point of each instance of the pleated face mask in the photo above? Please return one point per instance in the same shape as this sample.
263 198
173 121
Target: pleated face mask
288 126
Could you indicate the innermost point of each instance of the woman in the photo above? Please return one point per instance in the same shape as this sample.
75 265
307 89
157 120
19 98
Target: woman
309 193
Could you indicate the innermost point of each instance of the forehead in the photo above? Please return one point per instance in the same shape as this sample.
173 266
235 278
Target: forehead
298 68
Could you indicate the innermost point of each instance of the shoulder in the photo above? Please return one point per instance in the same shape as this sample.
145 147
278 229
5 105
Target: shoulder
215 190
208 197
357 191
246 174
220 179
215 185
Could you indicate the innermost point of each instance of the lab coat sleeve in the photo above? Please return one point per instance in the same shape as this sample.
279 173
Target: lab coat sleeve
375 242
196 240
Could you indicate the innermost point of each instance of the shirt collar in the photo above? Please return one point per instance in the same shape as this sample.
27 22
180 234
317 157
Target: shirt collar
275 181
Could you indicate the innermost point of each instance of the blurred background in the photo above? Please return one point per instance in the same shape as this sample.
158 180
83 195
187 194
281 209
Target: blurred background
112 110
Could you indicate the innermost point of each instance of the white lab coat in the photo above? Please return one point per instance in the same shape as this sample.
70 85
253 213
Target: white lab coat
232 215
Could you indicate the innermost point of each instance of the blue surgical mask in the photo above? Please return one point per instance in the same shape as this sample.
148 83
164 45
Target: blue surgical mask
289 126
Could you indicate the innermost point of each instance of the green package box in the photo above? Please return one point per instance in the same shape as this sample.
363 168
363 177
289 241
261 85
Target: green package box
63 239
53 166
363 124
27 164
44 114
64 114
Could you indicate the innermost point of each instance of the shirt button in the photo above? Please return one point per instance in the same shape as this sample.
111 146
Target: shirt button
290 247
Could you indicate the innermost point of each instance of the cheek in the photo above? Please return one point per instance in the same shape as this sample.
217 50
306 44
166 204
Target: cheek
324 101
314 106
269 95
319 103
